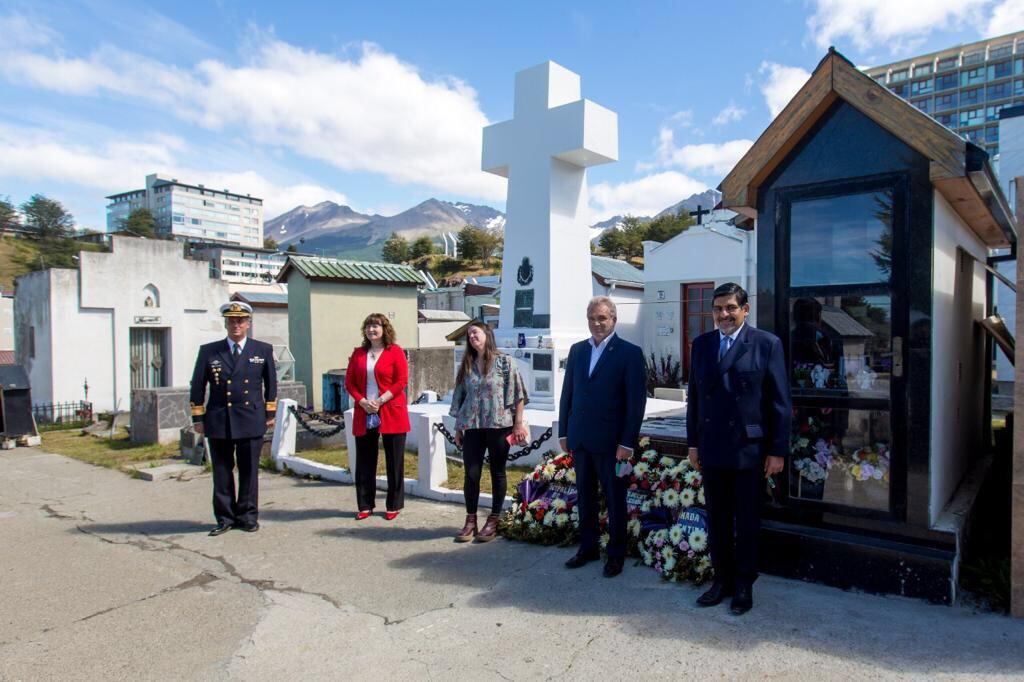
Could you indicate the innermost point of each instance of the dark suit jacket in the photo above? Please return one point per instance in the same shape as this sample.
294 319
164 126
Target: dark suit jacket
604 410
738 411
243 394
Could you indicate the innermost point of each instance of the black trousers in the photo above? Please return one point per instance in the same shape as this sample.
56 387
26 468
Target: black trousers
366 469
593 468
734 516
224 452
475 442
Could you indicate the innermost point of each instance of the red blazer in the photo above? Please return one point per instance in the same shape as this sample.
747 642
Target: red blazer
392 374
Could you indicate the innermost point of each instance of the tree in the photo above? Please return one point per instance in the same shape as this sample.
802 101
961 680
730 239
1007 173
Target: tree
634 232
9 218
269 243
667 226
141 221
469 243
292 249
612 243
422 246
490 242
396 249
47 217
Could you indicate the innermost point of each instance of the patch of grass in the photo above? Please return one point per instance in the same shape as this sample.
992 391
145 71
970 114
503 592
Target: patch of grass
114 453
456 472
989 579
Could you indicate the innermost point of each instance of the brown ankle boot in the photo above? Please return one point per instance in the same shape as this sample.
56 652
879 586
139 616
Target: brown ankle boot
490 529
468 531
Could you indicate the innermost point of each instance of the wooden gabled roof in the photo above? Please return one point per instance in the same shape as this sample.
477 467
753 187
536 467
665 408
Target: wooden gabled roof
959 169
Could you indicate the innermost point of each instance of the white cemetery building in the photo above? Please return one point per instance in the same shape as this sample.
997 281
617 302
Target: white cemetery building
130 318
680 276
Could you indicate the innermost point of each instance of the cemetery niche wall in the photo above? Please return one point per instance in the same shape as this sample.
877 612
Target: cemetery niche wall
874 227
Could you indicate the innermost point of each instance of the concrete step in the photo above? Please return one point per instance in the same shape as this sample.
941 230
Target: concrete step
163 472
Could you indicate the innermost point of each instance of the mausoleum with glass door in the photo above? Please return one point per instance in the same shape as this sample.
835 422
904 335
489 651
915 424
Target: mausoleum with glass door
875 223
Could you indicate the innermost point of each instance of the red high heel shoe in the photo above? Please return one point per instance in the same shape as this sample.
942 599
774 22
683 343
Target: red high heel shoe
390 516
362 516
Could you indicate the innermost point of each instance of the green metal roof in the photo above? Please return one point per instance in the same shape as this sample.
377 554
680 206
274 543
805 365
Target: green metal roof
350 270
618 270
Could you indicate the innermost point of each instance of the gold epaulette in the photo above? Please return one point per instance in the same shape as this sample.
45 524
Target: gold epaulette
271 406
198 410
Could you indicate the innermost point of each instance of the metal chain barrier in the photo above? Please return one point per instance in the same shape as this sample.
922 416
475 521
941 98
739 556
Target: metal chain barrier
512 456
304 420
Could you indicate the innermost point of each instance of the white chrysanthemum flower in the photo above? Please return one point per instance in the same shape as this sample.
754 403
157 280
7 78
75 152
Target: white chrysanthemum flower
670 498
700 496
633 527
675 534
575 513
641 469
558 504
686 497
656 500
661 534
549 470
649 455
698 540
561 519
647 556
670 563
549 518
704 563
667 462
645 506
570 475
690 477
667 552
605 538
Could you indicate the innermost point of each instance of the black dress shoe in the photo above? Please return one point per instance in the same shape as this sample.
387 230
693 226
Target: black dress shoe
582 558
613 567
715 595
251 528
220 529
742 601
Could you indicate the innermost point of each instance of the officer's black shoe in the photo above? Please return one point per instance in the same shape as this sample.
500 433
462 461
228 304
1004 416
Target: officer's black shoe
715 595
251 528
613 567
220 529
582 558
742 602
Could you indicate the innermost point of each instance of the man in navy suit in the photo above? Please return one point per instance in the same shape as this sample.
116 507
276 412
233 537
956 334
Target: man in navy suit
738 416
242 379
604 395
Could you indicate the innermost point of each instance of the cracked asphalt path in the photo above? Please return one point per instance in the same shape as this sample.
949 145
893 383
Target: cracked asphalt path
107 577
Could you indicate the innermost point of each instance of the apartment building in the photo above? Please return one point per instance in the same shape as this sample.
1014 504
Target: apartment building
193 212
963 87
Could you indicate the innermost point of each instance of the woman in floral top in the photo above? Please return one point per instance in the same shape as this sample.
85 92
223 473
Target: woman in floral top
488 409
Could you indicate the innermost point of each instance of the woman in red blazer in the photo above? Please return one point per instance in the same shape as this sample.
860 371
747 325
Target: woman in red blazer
376 378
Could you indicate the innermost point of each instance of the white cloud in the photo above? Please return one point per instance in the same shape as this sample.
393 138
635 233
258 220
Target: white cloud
779 83
714 158
728 115
645 196
38 154
371 112
899 25
1007 17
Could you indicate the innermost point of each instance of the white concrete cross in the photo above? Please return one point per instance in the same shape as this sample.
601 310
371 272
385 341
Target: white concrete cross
544 152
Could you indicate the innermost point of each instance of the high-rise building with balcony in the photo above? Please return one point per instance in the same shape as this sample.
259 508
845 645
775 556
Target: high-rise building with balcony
192 212
963 87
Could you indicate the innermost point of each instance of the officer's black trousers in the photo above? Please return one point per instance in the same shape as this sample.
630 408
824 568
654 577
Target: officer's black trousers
734 517
224 452
366 469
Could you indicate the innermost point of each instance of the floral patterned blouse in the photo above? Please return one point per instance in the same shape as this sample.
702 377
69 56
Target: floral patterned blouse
488 402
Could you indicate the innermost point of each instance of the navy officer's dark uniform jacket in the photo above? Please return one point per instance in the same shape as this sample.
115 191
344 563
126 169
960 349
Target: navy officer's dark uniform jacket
243 392
738 411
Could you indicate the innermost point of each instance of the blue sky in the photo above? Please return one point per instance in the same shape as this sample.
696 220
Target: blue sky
380 105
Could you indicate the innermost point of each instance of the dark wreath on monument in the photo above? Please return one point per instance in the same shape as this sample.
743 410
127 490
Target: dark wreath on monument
524 275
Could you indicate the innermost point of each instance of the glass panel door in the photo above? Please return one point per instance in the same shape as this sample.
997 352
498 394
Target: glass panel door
842 355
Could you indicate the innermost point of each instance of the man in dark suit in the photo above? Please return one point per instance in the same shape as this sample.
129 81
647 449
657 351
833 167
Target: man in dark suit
738 418
602 405
243 400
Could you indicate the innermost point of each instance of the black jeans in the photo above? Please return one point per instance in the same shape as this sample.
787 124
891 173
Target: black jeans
366 469
474 443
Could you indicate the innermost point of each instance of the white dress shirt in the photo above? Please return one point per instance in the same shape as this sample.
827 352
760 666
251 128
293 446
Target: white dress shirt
240 344
596 350
735 335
